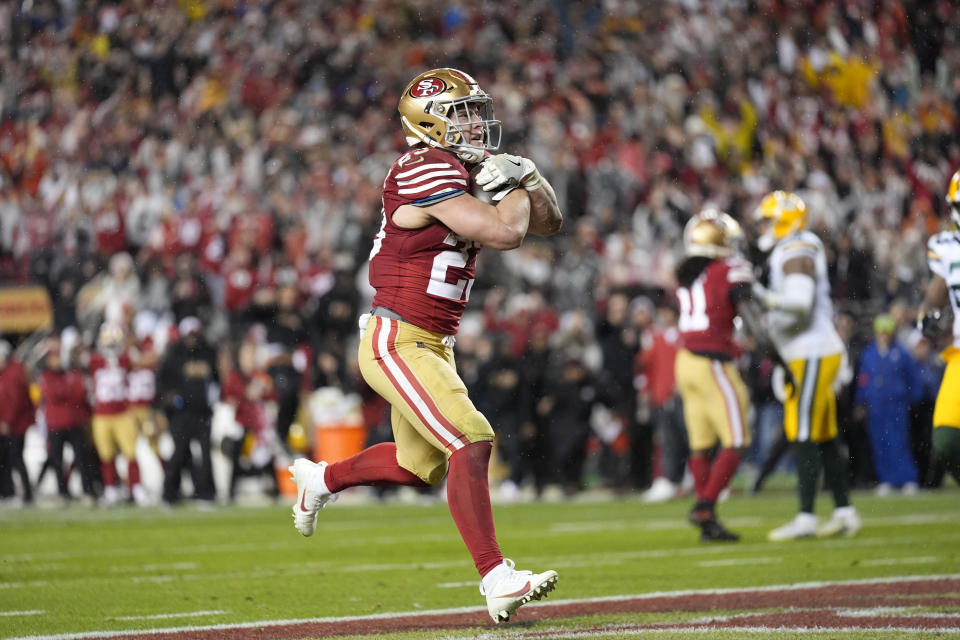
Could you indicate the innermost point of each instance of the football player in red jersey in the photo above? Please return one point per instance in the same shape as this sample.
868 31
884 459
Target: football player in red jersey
422 267
112 425
715 286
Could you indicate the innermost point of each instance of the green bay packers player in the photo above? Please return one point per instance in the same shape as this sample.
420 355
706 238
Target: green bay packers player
943 256
800 319
715 286
422 266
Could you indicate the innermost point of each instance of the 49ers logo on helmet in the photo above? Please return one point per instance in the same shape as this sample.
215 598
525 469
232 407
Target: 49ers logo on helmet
428 87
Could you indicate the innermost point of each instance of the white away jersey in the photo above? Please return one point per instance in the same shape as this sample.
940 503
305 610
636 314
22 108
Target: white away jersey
943 256
819 337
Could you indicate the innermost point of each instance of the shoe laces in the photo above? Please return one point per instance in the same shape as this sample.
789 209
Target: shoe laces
512 575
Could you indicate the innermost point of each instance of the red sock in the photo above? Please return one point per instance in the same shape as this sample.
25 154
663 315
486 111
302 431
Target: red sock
700 469
721 471
133 474
109 473
468 496
373 467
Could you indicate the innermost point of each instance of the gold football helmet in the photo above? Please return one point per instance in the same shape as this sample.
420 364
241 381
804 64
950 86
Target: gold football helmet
953 199
779 214
712 234
443 108
112 336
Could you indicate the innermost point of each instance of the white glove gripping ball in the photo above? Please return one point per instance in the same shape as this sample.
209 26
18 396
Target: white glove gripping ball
505 170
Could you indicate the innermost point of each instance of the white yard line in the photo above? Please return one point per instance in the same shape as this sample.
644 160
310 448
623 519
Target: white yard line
801 586
457 585
168 616
29 612
886 562
909 612
737 562
596 560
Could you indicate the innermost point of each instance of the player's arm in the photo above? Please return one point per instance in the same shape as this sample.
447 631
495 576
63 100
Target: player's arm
503 172
751 312
500 226
798 292
545 216
935 298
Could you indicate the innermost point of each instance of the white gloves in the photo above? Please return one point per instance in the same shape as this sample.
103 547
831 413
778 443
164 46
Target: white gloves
504 170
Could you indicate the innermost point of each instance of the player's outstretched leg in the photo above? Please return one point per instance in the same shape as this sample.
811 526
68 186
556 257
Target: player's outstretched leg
312 494
507 589
468 496
845 521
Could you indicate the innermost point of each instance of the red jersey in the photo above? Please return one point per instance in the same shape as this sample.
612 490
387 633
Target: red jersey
142 377
241 282
707 309
64 396
425 274
251 414
16 408
109 374
655 364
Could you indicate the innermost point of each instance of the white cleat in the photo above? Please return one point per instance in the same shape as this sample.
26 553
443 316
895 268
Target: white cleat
802 526
140 496
111 496
516 589
843 522
312 494
662 490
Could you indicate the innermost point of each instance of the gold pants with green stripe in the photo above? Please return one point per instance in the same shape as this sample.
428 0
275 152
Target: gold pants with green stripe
810 413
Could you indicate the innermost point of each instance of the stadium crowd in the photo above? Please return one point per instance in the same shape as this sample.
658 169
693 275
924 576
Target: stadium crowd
213 169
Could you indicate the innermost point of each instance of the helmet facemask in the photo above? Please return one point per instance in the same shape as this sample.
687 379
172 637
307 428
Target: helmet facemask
779 214
463 115
443 107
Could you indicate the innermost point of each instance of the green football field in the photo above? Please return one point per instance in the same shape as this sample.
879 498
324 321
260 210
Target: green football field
626 569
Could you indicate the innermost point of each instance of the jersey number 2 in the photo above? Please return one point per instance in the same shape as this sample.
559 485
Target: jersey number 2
438 273
693 307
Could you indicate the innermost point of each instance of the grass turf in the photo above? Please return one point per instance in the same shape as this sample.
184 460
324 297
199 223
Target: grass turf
123 569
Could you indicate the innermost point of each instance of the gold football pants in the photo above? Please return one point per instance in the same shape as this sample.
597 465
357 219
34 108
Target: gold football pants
431 415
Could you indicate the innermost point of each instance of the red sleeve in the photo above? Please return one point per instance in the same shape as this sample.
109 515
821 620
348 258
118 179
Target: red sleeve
423 177
50 391
233 388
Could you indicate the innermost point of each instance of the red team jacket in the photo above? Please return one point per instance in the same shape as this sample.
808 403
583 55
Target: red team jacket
251 414
109 383
707 308
65 403
425 274
16 408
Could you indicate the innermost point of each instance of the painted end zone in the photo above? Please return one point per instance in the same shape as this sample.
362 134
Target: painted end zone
888 603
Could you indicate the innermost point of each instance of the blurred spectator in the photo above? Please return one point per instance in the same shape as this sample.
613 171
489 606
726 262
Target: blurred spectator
104 298
568 402
63 392
930 372
288 347
619 341
16 416
534 449
142 382
658 388
187 380
249 390
769 440
887 384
